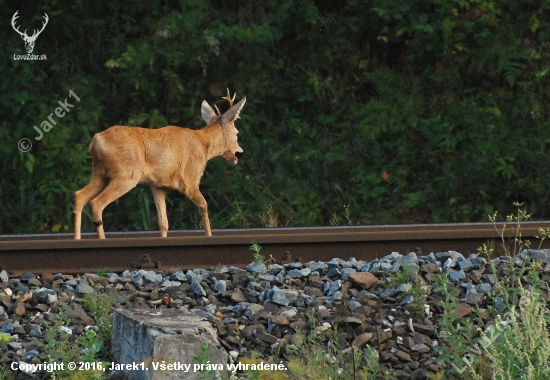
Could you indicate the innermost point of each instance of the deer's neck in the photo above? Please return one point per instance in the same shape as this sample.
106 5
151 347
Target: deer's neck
213 140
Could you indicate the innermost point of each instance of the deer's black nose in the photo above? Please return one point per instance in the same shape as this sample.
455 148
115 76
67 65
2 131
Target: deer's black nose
238 155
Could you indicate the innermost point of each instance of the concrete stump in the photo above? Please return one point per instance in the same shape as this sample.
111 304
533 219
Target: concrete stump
161 344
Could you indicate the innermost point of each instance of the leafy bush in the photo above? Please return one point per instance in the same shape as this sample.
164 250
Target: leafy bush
423 111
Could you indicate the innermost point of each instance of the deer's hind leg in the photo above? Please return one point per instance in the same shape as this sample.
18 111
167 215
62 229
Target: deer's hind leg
116 188
83 196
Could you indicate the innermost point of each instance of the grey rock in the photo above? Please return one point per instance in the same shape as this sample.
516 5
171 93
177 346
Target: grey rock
333 272
490 278
500 305
178 276
410 263
190 276
270 277
27 276
295 273
220 286
365 268
7 327
396 265
65 329
449 263
31 354
374 267
251 292
319 266
421 348
280 277
388 292
210 309
113 278
472 297
35 332
294 265
173 334
346 272
290 313
335 263
484 288
279 297
4 276
354 305
392 256
385 266
275 269
467 285
430 258
84 288
479 262
406 301
457 276
539 256
256 268
45 295
22 289
14 346
334 287
402 288
167 284
197 288
466 265
137 280
443 256
152 277
252 309
337 295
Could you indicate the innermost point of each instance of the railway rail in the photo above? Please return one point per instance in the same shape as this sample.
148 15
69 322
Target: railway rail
191 249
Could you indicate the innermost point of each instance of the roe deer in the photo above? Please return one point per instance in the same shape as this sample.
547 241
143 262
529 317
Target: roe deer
166 158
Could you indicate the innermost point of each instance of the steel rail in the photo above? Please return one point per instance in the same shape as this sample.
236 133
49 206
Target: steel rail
191 249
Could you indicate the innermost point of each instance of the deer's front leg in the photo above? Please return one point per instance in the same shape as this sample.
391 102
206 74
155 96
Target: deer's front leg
159 195
195 195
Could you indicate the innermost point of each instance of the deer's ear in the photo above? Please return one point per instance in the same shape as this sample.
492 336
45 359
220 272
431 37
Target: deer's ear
208 114
233 113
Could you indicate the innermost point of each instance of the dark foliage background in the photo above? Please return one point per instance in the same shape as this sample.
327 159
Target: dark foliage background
396 111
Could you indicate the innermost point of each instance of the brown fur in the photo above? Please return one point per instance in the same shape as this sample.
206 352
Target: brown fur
167 158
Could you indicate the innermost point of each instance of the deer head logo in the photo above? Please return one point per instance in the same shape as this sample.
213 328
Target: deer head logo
29 40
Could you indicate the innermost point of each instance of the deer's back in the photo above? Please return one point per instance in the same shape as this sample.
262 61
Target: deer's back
157 156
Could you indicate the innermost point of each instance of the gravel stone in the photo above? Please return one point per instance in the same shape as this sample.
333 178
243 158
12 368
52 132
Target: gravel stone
279 297
262 308
84 288
457 276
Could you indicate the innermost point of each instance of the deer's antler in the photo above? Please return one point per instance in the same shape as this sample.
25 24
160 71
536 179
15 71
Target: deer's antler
15 16
24 34
229 99
36 33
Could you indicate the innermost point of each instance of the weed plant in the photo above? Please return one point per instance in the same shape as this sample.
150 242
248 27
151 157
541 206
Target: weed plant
515 344
62 347
522 348
258 257
101 307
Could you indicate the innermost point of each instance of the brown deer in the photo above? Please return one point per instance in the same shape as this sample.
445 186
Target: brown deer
166 158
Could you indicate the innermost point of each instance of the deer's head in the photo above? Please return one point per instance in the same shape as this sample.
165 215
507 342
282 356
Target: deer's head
231 151
29 40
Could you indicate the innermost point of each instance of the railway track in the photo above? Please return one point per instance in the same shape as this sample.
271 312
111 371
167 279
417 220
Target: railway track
191 249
